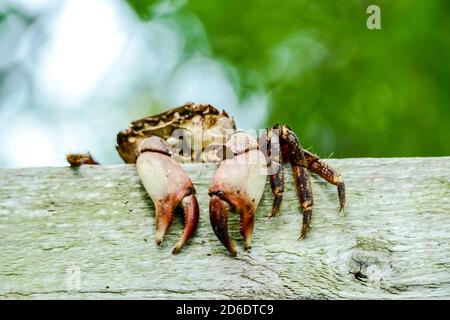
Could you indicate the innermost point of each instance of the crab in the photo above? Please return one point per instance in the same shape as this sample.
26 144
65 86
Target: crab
200 133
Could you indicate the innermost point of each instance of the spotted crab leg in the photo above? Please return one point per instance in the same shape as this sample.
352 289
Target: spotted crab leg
287 148
168 186
274 156
328 174
237 185
301 176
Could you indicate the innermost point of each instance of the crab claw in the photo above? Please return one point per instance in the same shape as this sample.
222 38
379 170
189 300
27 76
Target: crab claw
168 186
237 185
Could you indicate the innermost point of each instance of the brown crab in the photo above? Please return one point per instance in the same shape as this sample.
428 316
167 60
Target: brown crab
201 133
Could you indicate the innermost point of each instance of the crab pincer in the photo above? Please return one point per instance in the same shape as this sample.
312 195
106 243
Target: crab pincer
169 187
237 185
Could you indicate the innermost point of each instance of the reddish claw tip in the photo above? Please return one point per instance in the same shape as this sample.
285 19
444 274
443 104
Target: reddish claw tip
218 215
191 217
159 235
176 249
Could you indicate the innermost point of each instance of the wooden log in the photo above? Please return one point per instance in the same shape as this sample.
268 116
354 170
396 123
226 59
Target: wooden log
88 234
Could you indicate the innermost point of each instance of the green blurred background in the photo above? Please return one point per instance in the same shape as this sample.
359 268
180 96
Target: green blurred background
347 91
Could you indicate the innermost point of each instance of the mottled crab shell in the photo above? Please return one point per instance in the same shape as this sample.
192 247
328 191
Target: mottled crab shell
191 117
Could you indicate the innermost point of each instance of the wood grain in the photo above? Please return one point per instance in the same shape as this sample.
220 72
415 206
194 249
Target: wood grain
88 234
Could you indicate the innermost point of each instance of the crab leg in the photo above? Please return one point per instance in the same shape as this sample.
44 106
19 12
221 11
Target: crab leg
301 160
304 193
168 186
301 176
277 187
237 185
276 175
327 173
79 159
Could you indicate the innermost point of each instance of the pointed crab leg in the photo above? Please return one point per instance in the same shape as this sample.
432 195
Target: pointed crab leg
237 185
168 186
276 175
289 148
330 175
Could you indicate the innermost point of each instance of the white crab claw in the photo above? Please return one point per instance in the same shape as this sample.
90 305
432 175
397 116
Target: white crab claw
168 186
238 184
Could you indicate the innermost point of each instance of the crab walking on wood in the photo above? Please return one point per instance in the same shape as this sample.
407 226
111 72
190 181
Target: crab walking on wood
168 186
155 142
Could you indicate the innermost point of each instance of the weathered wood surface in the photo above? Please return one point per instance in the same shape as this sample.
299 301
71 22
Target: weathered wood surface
97 223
